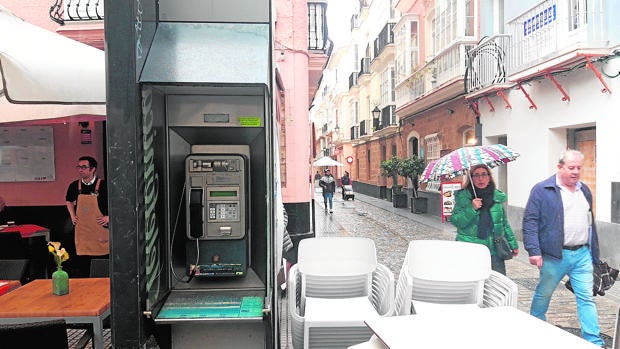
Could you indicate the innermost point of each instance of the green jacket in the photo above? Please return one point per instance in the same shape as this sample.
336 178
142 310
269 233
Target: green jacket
465 219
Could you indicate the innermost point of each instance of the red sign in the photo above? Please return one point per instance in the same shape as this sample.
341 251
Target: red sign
349 159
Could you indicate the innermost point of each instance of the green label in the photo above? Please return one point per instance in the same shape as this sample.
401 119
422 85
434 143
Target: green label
250 121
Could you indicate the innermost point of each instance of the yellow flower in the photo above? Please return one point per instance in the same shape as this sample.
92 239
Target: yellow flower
60 254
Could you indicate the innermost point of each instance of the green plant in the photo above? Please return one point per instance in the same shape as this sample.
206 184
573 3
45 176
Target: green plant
390 168
411 167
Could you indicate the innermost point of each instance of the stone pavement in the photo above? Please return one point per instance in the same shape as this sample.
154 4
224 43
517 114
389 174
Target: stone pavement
392 229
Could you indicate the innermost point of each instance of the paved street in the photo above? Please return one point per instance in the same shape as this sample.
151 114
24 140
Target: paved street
393 228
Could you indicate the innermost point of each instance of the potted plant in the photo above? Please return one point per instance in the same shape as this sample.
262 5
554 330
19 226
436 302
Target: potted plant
412 167
392 168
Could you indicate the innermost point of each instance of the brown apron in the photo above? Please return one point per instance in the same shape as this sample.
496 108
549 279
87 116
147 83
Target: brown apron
91 239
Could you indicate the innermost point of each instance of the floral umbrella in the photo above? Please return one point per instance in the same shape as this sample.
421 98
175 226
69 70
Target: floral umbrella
458 161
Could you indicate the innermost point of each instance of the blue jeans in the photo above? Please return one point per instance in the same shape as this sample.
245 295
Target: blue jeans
578 266
328 196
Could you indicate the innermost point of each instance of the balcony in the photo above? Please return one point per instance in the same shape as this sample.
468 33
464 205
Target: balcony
355 132
364 67
353 80
355 22
387 118
487 63
553 29
444 68
76 10
386 37
362 128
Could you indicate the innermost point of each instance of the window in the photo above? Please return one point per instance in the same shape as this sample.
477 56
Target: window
433 146
355 110
469 137
387 86
317 26
444 24
577 14
469 18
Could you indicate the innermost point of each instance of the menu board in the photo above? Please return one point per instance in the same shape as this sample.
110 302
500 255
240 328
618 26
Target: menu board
447 198
27 154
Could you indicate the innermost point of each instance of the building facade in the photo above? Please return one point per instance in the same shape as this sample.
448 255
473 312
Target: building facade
537 76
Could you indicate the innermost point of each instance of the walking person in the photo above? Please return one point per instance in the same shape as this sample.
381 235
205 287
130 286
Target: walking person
560 237
328 183
87 203
479 214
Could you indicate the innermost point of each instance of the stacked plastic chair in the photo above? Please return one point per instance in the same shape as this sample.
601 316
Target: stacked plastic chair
499 291
339 281
440 272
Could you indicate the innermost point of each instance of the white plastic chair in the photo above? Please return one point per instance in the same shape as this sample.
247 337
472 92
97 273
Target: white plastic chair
341 279
499 291
442 272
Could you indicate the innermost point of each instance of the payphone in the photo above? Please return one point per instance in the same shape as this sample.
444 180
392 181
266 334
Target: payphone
216 214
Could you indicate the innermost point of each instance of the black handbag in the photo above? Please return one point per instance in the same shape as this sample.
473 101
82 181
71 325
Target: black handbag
502 248
603 277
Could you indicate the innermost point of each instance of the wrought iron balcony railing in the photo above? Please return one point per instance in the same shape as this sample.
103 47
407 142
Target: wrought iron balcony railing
352 80
487 63
387 118
355 132
355 21
364 66
362 128
385 37
76 10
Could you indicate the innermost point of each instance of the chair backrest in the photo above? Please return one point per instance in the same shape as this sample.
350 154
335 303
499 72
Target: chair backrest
44 334
337 256
336 267
14 269
13 246
99 268
451 272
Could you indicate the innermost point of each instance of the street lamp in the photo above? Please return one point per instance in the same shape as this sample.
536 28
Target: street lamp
376 113
376 122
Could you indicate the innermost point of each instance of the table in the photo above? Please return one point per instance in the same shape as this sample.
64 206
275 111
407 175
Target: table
88 301
498 327
27 231
8 286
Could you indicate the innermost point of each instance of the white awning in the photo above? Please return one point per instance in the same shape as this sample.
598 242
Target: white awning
41 67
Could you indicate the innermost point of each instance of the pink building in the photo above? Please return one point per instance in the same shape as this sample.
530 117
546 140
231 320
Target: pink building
301 50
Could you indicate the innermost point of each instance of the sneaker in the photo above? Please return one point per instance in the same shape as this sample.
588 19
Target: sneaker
331 211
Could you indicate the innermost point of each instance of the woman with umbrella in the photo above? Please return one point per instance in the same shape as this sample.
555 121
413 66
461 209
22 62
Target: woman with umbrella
479 214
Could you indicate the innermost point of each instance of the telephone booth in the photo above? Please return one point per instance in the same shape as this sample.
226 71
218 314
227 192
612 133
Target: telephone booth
193 189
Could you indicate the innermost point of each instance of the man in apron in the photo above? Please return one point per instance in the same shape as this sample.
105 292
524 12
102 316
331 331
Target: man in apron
87 202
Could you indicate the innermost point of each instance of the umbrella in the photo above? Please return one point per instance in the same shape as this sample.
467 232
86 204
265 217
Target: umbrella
40 66
327 161
458 161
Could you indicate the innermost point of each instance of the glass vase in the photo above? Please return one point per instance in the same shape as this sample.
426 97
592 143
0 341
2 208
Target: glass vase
60 282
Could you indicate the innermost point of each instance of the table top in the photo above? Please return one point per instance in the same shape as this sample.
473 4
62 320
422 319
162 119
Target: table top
497 327
87 297
25 230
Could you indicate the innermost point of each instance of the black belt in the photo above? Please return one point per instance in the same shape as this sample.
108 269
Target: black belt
573 248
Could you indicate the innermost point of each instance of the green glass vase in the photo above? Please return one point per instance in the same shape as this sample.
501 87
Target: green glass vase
60 282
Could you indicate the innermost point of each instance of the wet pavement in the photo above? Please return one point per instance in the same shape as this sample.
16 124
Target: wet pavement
392 229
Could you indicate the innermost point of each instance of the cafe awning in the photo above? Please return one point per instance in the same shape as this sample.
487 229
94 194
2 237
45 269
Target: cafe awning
41 67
